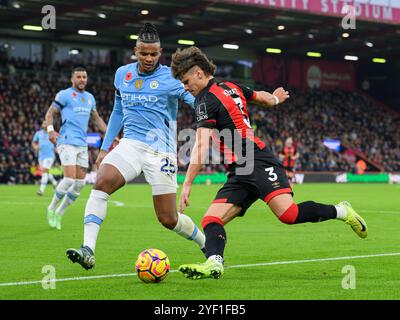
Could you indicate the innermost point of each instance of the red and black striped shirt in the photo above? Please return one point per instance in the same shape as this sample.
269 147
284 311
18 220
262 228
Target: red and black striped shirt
223 106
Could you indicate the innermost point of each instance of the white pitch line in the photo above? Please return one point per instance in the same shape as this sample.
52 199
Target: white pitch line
314 260
261 264
378 211
118 203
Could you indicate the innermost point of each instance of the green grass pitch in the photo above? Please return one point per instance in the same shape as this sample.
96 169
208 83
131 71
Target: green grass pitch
265 259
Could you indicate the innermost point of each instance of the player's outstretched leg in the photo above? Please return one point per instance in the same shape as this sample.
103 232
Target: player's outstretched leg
215 244
212 268
186 228
310 211
84 256
352 218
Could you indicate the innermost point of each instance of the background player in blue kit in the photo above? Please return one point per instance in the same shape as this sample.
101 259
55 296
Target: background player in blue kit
46 156
146 105
76 106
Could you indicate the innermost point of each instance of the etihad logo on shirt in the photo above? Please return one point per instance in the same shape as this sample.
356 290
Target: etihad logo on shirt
81 110
131 99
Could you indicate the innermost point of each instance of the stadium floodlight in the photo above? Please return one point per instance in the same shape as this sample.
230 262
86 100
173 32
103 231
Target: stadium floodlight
145 12
16 5
179 23
73 52
32 28
379 60
248 30
87 32
102 15
314 54
230 46
369 44
281 27
133 57
273 50
351 58
133 37
345 35
186 42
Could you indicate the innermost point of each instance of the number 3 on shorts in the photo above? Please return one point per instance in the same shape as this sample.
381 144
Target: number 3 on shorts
271 173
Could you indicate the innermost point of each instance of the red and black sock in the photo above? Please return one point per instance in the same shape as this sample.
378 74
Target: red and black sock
311 211
308 211
215 234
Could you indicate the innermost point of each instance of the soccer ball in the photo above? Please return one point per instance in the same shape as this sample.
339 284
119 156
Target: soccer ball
152 265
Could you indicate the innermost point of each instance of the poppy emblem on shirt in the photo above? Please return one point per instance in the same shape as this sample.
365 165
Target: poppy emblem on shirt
139 84
74 94
128 76
154 84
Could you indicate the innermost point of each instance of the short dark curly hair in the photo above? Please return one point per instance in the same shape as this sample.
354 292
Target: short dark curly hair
184 60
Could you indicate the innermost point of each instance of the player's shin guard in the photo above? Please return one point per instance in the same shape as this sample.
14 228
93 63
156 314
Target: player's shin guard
308 211
73 192
95 213
60 191
186 228
215 237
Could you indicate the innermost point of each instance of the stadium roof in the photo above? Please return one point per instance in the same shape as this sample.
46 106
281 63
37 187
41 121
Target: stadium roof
249 24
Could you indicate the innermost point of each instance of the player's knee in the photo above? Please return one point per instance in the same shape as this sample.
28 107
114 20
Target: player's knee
65 184
107 182
78 185
167 220
103 183
290 215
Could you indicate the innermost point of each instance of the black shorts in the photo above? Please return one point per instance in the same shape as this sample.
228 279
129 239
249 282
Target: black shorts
267 180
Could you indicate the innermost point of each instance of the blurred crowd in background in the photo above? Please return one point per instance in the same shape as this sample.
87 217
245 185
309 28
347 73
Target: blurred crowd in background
309 117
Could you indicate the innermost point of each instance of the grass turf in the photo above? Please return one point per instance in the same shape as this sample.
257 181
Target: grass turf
265 259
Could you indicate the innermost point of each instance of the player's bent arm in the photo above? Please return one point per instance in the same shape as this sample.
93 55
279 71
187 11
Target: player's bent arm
114 124
267 99
49 118
99 122
199 154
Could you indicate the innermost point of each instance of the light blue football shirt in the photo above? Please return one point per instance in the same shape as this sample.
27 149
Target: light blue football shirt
75 108
146 105
46 148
